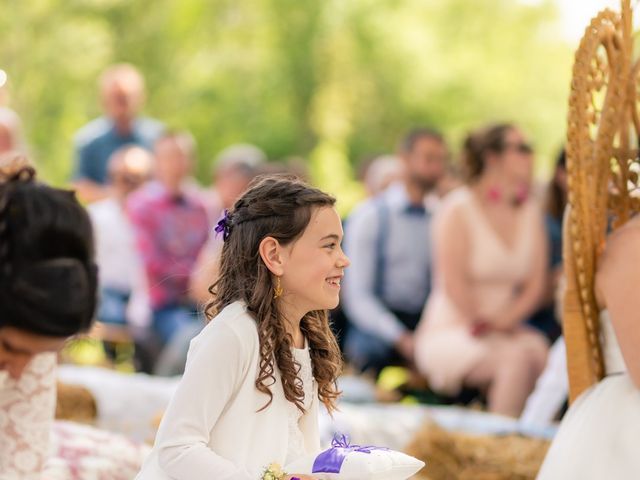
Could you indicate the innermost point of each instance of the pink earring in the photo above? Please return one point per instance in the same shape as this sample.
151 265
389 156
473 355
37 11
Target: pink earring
494 194
522 195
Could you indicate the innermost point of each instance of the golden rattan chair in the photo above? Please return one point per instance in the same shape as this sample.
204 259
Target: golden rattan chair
602 162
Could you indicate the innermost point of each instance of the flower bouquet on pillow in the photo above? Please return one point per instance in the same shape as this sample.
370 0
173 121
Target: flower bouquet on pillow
344 461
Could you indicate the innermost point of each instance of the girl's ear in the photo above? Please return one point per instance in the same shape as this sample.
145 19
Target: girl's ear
272 255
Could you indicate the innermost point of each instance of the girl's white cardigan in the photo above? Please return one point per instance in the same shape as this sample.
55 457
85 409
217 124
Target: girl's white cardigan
212 429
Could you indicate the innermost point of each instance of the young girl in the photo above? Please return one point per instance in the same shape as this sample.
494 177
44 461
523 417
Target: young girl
255 375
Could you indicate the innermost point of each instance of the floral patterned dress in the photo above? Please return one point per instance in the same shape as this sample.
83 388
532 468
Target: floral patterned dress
27 409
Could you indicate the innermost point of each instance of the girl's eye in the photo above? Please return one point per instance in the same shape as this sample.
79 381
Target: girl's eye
331 246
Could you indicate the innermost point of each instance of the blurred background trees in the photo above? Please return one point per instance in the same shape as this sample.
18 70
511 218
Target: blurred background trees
331 81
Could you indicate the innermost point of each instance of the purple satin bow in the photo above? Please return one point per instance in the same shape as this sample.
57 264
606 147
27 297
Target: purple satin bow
224 226
330 461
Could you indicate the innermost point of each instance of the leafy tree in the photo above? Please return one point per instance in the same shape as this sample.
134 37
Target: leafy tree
327 80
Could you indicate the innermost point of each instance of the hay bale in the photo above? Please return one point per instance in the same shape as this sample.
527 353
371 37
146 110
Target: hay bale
75 403
460 456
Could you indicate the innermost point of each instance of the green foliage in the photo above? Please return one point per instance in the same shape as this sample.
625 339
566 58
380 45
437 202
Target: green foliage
333 81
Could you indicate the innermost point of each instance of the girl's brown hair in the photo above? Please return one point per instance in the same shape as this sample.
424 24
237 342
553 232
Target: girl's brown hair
281 207
478 144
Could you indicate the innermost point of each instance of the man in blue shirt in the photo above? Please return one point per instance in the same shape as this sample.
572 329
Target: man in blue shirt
388 241
122 93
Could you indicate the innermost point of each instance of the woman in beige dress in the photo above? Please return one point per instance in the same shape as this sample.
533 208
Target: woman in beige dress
490 254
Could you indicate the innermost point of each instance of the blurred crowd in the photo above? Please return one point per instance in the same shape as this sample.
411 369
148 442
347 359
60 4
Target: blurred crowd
456 265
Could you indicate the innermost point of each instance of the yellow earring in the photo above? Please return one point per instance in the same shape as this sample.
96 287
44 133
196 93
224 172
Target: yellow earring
277 291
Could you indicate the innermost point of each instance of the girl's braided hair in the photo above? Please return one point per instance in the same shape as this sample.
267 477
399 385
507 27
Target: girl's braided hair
279 206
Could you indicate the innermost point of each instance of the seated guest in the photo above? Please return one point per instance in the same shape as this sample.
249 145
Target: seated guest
121 273
545 319
122 93
10 132
490 255
171 226
47 294
234 169
123 300
387 239
381 172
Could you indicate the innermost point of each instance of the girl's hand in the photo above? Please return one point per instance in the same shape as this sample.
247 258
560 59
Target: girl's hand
300 477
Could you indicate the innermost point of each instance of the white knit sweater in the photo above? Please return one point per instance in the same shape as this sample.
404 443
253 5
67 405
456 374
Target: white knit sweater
212 429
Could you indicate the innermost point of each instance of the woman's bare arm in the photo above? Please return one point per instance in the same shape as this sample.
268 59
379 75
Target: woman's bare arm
451 257
618 288
530 297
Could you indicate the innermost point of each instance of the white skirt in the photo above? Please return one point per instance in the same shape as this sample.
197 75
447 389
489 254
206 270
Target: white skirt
599 438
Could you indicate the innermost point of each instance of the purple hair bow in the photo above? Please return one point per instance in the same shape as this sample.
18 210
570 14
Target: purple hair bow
224 226
330 461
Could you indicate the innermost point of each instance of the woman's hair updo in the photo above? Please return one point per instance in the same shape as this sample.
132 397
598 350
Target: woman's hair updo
478 145
48 278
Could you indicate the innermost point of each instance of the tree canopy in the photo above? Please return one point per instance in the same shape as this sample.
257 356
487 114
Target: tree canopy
331 81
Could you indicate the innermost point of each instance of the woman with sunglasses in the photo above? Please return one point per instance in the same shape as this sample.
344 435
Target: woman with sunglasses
490 256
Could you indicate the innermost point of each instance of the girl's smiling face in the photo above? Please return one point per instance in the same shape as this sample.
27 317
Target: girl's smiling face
313 265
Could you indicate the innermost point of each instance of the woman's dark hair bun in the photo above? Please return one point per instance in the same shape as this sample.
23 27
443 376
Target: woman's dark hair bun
48 279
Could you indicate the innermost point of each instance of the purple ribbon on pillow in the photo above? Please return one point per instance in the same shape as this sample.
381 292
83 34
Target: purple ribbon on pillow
330 461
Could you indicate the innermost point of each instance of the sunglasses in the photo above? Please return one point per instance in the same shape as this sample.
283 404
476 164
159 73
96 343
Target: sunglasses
522 147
